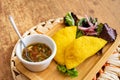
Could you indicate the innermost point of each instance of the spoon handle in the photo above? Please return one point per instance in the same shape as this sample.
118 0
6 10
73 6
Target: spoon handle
15 27
16 30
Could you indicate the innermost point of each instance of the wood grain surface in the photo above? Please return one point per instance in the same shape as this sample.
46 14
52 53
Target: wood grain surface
28 13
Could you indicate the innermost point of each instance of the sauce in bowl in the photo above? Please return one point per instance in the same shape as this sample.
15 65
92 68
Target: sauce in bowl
37 52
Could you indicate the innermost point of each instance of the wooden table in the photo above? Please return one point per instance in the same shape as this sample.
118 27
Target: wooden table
28 13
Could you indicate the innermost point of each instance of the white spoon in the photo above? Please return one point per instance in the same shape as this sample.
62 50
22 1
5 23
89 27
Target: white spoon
19 35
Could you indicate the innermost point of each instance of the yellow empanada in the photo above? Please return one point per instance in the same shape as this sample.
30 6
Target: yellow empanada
82 48
62 38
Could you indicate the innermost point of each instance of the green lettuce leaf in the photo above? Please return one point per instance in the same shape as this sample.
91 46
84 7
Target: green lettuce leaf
69 20
70 72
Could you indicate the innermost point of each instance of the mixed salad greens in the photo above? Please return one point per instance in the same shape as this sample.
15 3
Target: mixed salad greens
86 26
90 26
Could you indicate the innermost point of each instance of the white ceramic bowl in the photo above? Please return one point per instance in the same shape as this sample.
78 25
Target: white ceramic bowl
36 38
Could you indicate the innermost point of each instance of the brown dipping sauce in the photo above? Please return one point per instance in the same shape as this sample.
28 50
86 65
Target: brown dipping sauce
37 52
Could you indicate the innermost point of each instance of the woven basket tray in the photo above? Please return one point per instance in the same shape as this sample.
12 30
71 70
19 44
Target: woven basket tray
42 28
